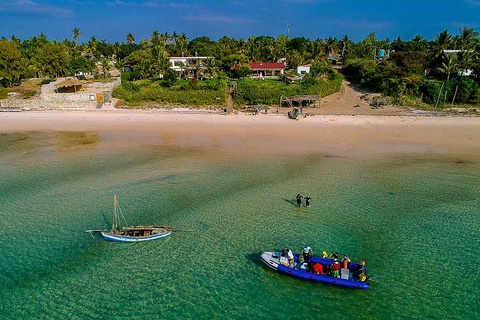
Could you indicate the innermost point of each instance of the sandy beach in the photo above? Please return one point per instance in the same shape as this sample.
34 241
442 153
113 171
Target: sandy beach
339 135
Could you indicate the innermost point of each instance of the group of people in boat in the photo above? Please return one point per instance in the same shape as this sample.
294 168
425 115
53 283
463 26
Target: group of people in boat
306 262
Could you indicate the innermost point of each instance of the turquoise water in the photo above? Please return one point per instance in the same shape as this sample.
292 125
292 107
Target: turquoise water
413 217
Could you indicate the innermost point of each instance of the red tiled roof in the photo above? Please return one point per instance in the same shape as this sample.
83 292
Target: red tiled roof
266 65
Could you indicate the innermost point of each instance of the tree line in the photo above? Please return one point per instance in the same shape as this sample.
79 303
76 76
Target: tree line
404 70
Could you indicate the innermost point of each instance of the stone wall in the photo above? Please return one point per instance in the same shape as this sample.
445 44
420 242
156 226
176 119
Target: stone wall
85 96
38 104
49 99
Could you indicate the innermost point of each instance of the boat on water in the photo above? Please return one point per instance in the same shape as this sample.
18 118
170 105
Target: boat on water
132 233
355 276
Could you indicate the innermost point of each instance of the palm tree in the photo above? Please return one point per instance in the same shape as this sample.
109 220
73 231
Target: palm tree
368 45
418 44
76 34
210 67
331 47
345 44
92 45
441 42
281 47
182 67
175 40
130 38
15 39
155 39
467 38
449 65
105 63
157 44
466 59
166 37
182 42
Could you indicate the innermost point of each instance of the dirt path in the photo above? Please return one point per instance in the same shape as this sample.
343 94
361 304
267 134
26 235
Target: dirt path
349 101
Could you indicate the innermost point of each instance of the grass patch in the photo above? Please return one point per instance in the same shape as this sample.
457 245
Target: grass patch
214 92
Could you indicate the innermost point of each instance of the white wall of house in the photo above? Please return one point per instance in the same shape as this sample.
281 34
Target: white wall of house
303 69
187 62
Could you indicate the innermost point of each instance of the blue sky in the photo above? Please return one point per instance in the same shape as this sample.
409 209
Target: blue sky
113 19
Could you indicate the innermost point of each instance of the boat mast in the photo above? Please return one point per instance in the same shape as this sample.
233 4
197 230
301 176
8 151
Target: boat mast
115 216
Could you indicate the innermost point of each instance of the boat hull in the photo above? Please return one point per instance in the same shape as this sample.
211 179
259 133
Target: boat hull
124 238
272 259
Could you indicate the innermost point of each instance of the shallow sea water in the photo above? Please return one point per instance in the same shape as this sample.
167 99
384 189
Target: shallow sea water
413 217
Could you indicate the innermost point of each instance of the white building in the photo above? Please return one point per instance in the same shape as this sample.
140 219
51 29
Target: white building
304 69
188 66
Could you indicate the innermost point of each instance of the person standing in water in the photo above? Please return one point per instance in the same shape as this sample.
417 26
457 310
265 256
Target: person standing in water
307 201
299 200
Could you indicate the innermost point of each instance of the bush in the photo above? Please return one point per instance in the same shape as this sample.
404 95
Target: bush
3 93
29 93
214 92
182 94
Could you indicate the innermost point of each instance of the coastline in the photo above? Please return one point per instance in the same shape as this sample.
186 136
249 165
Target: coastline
269 134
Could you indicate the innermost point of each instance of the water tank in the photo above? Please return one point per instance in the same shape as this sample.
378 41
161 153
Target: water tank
381 53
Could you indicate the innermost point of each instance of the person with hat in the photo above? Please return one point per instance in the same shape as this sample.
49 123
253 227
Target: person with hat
336 269
307 253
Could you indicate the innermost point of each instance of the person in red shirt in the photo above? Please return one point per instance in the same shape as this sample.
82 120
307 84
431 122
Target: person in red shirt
318 268
336 269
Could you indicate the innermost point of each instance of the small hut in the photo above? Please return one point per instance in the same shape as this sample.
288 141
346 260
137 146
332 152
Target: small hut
69 85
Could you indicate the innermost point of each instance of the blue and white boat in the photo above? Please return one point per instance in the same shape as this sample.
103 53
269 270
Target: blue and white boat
354 276
133 233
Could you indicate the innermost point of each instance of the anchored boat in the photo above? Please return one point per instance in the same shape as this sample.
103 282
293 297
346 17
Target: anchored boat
132 233
355 276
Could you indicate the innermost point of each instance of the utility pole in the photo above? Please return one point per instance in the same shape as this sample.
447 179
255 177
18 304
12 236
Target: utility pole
288 30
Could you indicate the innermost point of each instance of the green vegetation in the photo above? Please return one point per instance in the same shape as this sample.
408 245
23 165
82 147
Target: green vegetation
269 91
323 80
185 92
417 72
3 93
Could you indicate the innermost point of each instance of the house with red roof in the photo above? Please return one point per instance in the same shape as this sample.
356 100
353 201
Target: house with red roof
266 69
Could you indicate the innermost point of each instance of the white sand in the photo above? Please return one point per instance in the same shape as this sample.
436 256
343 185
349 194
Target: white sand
270 133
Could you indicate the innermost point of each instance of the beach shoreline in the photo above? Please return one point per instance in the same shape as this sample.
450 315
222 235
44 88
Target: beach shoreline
268 134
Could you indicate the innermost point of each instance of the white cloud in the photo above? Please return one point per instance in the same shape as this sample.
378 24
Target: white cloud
215 18
121 3
33 7
473 3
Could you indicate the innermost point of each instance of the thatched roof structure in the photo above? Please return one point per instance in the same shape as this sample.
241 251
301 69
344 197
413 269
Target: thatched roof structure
70 82
69 85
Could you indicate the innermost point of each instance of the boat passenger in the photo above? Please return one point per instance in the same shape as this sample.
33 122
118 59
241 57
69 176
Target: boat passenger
325 255
334 256
283 258
362 272
336 268
290 257
307 253
345 261
317 268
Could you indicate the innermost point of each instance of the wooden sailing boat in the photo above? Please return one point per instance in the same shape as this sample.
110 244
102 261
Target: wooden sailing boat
133 233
